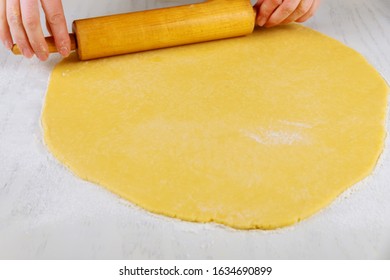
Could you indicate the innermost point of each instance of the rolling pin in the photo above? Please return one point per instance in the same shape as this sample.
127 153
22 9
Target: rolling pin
161 28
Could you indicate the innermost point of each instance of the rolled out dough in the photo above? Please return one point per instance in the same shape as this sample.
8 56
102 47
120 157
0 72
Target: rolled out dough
253 132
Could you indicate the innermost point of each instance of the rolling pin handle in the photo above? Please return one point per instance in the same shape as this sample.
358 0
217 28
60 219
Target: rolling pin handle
51 45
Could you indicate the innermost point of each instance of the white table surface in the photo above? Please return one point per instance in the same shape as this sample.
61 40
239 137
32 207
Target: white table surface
48 213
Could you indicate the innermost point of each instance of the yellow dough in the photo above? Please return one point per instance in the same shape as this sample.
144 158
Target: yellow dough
254 132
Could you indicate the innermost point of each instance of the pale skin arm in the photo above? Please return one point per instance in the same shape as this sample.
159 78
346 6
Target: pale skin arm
20 23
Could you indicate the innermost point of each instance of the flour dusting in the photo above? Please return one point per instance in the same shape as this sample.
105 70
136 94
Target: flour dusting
297 124
275 137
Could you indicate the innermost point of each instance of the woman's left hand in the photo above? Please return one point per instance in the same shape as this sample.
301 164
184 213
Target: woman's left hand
274 12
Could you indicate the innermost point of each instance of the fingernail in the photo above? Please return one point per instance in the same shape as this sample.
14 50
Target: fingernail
27 53
64 51
262 21
42 55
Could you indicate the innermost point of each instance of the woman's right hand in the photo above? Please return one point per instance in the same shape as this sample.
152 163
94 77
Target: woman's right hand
20 24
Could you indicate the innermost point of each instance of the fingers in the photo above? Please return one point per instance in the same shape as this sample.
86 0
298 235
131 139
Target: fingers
303 7
25 27
49 28
310 12
14 18
275 12
267 7
20 23
5 34
33 28
282 12
57 25
257 5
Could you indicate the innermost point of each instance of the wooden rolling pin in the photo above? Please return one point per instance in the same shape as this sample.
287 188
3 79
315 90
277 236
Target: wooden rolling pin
160 28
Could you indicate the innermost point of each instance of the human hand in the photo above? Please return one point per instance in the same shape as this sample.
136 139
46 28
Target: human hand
274 12
20 24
